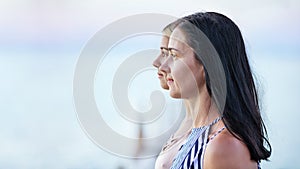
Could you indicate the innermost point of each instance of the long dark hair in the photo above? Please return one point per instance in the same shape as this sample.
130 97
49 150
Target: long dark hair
241 112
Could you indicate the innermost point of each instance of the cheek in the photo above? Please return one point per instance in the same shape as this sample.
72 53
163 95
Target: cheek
177 71
188 74
182 74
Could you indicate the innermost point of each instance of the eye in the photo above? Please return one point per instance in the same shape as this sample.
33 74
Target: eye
173 55
164 54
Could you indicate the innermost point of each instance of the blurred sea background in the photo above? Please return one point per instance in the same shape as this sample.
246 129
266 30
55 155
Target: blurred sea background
42 40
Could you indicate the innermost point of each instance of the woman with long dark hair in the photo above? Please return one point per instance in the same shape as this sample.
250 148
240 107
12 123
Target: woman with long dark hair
208 68
171 147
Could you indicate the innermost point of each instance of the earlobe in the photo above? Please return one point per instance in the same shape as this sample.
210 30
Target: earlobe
202 72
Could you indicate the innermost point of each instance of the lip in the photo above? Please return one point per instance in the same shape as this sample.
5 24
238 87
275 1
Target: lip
160 75
170 80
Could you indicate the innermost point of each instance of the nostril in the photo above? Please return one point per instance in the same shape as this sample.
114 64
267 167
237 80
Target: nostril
155 64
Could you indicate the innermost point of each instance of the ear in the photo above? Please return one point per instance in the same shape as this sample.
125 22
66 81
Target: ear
201 77
202 71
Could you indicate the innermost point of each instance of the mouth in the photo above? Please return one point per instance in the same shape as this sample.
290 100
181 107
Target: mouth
160 75
170 80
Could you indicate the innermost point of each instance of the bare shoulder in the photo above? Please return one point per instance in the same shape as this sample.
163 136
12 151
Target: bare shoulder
225 151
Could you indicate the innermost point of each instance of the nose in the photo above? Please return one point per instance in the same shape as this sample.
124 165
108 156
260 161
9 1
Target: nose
157 62
164 67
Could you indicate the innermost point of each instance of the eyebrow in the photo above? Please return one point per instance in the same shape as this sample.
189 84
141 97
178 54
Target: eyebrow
170 49
164 48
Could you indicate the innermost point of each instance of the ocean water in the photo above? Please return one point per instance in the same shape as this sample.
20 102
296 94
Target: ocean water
39 127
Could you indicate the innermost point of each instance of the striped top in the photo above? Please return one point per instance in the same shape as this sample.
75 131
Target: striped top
191 154
169 151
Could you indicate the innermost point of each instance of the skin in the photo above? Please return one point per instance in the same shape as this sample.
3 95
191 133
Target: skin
186 80
186 124
160 58
225 151
162 76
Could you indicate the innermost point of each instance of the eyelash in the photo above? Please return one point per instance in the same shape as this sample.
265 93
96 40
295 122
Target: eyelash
173 55
164 54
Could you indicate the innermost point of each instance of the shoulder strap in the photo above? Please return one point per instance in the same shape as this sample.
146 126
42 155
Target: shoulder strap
183 152
193 137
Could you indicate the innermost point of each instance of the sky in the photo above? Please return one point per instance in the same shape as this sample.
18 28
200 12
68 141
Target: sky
41 42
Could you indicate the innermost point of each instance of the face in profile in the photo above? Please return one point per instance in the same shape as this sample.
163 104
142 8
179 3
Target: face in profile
160 59
185 75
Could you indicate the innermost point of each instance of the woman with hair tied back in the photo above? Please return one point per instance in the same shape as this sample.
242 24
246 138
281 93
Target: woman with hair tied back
207 66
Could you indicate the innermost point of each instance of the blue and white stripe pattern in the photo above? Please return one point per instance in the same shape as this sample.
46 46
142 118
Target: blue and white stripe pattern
191 154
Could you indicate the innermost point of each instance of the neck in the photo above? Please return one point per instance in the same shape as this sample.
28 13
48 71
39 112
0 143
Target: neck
202 109
186 124
188 110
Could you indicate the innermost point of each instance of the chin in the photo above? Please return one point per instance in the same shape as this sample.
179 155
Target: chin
164 86
175 95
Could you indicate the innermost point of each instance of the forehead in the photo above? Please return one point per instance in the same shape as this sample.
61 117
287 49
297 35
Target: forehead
177 40
164 41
